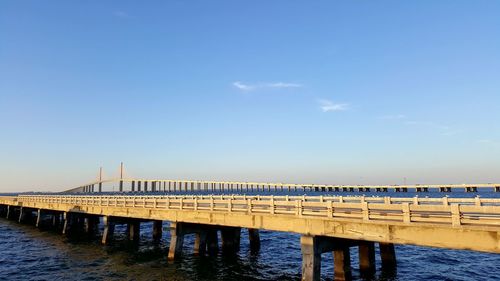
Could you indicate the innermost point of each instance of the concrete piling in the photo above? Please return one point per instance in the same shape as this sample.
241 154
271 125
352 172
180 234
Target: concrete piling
157 230
109 230
313 246
367 258
133 230
176 241
388 256
254 238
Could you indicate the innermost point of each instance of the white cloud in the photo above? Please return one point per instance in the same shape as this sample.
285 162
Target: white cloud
444 130
276 85
121 14
393 117
488 141
327 105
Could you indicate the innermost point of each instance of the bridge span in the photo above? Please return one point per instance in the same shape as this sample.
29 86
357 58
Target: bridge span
325 223
166 185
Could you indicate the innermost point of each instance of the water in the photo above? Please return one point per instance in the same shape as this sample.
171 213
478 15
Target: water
27 253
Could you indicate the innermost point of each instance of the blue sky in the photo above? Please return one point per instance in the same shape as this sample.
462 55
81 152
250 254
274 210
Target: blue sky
340 92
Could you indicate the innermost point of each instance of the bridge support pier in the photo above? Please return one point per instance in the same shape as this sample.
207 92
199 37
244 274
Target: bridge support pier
24 214
200 243
66 225
313 246
212 242
254 239
497 189
367 258
230 237
56 220
157 230
109 230
90 225
39 215
9 212
134 230
388 256
176 241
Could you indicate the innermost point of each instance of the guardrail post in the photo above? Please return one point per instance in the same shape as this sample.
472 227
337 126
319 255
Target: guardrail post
406 212
455 215
477 200
330 209
366 213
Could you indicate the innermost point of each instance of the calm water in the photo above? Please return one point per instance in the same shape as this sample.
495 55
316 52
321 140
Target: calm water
31 254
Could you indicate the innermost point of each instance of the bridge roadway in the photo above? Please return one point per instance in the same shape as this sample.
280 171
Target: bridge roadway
326 224
130 184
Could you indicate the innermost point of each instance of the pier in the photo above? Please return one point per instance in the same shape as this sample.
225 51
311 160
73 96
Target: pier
326 223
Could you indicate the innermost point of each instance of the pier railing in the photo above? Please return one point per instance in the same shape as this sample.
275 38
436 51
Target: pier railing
447 211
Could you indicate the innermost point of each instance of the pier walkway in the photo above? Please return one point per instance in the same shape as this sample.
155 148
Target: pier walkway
325 223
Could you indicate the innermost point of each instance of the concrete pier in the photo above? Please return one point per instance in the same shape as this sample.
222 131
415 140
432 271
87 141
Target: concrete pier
254 239
109 230
157 230
388 256
230 237
133 230
367 258
176 241
313 246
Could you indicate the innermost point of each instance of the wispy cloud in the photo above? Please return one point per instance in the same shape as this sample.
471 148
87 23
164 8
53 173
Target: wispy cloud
328 105
393 117
443 129
121 14
276 85
488 141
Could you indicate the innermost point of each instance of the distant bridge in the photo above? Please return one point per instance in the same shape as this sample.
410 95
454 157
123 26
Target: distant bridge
162 185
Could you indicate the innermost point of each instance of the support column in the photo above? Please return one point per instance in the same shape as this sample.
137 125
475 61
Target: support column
134 230
66 226
200 243
89 224
9 212
22 212
388 256
342 264
157 230
55 220
109 230
254 237
38 218
367 258
212 241
311 259
230 237
176 241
